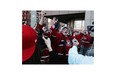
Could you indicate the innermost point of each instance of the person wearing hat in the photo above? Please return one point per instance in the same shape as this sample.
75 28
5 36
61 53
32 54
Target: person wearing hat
31 38
30 47
30 52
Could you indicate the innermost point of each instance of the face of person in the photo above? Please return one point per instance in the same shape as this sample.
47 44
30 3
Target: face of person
77 33
45 21
54 20
65 31
85 32
44 29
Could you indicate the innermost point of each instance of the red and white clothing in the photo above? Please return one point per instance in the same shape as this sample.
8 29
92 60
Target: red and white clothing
79 37
59 42
38 27
45 33
88 39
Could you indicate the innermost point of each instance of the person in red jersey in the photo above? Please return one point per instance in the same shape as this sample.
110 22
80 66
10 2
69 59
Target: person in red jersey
85 42
41 29
63 43
78 36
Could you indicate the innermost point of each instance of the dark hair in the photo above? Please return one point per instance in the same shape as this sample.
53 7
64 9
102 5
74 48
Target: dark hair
56 18
23 22
93 22
65 28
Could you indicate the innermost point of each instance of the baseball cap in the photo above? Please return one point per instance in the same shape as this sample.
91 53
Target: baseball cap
29 39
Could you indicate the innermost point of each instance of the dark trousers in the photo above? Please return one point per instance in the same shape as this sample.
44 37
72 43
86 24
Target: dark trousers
83 50
58 59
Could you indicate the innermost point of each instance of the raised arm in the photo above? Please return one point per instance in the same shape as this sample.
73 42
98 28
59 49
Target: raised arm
54 32
40 25
42 17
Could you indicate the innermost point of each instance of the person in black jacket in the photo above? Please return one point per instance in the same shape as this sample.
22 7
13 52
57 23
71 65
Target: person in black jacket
30 51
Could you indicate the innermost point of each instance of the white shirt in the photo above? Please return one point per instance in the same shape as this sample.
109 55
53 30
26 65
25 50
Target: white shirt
75 58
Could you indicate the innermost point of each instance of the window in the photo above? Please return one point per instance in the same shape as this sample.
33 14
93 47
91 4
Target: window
49 20
78 24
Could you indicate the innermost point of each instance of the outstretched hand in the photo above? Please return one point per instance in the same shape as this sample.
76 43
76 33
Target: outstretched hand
75 42
42 17
42 13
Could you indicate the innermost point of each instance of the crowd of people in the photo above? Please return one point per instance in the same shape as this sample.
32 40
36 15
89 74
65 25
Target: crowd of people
54 44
